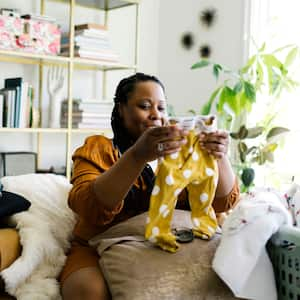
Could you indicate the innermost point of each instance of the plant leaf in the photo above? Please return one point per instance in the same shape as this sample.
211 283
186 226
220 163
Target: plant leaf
270 147
250 91
241 134
259 75
271 61
201 64
206 108
238 87
170 110
192 111
276 131
254 132
262 48
291 56
283 48
216 70
228 97
253 148
248 65
242 147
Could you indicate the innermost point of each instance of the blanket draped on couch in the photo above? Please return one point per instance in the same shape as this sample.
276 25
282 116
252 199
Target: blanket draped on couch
45 233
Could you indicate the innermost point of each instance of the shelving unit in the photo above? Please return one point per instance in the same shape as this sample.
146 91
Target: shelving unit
72 63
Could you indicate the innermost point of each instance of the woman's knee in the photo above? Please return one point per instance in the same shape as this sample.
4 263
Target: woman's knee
88 284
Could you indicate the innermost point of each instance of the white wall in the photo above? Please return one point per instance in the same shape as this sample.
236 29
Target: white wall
160 53
188 88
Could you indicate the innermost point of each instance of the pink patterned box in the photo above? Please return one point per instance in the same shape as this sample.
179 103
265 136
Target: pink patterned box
29 35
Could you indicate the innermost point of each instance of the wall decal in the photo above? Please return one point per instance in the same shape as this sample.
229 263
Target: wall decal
187 40
205 51
208 17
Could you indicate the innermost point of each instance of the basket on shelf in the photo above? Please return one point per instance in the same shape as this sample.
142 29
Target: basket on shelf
284 251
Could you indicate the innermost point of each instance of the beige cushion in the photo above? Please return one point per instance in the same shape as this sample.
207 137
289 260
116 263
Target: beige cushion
134 269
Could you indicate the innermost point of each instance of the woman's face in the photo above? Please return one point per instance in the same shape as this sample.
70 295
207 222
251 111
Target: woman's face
146 107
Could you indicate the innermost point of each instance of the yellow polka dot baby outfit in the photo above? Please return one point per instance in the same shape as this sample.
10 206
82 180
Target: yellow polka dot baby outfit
191 168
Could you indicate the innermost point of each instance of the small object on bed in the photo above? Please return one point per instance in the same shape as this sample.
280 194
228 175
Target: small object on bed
183 235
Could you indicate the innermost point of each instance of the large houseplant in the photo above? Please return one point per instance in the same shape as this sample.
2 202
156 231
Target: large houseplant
265 73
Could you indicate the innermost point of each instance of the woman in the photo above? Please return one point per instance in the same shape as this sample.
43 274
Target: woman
113 182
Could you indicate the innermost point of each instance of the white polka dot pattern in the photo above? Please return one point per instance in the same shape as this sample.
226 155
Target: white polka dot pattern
169 180
210 229
155 190
177 192
209 172
148 220
187 173
164 210
203 197
155 231
174 155
195 156
191 150
196 222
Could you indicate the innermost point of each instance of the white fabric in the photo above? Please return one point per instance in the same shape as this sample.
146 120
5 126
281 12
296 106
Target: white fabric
241 259
293 199
45 230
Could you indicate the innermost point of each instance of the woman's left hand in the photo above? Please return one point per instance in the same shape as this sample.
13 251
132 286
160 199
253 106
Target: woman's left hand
215 143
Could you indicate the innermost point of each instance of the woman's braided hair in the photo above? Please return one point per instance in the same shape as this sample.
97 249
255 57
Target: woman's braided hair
126 86
122 138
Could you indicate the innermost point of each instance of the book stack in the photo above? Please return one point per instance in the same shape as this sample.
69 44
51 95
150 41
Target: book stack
91 41
16 104
88 113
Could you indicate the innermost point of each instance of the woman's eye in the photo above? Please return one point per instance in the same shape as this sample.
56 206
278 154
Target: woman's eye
145 106
162 108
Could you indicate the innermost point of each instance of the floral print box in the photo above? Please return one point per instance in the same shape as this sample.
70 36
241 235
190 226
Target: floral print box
29 35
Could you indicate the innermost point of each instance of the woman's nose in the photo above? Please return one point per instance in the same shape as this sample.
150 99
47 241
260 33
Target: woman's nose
155 114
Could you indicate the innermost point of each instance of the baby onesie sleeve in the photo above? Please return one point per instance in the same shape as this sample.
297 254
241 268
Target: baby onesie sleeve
91 160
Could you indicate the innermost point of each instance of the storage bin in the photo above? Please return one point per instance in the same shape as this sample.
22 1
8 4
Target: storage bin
284 251
32 36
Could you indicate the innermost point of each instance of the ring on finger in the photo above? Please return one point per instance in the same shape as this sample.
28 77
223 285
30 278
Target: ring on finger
160 147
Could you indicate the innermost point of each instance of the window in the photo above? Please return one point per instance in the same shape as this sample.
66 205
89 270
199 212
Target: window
277 23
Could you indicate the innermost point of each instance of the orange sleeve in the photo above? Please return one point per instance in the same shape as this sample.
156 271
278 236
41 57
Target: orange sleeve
223 204
91 160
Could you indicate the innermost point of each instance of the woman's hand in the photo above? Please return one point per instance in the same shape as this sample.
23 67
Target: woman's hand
215 143
159 141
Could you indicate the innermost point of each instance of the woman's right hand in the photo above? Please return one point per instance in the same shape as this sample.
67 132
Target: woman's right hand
159 141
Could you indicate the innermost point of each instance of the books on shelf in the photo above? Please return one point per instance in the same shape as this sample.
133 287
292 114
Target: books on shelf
91 41
17 103
88 113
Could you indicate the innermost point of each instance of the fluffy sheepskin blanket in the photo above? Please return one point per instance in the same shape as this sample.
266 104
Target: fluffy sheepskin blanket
45 231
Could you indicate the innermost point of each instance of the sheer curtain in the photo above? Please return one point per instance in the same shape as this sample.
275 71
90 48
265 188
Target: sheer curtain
277 23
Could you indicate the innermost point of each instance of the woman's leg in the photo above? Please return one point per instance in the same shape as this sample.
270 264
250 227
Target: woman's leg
86 283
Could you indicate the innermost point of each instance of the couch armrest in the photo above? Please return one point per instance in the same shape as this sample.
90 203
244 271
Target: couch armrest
10 247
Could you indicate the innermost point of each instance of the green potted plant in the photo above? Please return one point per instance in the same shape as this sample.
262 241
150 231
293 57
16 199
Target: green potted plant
265 73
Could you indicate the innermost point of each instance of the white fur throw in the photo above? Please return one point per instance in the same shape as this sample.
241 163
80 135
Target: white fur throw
45 231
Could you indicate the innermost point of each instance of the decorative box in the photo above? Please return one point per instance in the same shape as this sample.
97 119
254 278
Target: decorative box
28 35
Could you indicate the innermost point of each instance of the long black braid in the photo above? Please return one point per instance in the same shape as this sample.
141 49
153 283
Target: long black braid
122 138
